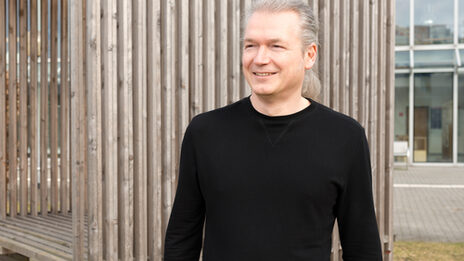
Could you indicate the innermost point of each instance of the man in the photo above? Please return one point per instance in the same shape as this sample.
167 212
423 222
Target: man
271 172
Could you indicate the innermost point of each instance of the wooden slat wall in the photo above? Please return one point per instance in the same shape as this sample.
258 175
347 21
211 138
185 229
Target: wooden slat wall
23 103
139 71
3 87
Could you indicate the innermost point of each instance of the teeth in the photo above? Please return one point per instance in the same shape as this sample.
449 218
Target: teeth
263 74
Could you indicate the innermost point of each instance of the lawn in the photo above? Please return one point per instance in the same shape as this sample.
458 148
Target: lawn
430 251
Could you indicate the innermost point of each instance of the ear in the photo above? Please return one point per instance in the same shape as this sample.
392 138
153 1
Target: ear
310 56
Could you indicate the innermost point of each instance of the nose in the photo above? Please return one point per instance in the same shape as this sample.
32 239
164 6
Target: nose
262 56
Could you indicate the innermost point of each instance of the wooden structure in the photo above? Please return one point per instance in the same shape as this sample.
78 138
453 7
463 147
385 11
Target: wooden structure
89 159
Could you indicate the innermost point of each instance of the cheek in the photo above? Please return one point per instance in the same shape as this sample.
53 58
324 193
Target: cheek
246 59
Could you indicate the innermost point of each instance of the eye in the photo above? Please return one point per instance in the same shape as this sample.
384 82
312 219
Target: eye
277 46
248 46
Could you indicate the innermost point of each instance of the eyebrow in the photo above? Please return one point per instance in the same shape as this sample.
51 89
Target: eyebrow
273 40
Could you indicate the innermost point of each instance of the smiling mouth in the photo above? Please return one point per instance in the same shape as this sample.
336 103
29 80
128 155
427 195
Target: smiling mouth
264 73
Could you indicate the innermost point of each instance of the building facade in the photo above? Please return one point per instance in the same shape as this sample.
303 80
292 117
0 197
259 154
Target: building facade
429 80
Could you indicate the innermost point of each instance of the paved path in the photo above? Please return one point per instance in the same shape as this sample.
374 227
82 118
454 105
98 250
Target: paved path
429 204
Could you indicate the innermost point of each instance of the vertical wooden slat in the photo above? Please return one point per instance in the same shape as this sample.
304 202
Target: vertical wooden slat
64 166
167 85
23 166
54 106
245 90
77 127
12 105
234 51
381 105
363 61
125 130
34 110
334 54
43 108
221 43
344 56
94 150
372 98
209 92
324 52
390 119
354 61
196 61
155 210
110 123
3 86
140 129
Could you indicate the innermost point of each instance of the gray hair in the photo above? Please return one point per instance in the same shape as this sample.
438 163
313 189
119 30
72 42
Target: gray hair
309 29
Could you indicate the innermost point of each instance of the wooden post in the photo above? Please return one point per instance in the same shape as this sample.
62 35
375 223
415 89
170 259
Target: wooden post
154 179
77 128
43 109
3 141
110 125
140 128
64 155
390 121
234 58
125 130
196 56
94 150
54 106
12 101
34 111
23 167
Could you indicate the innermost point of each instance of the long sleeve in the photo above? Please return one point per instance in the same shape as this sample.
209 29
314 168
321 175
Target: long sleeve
184 233
355 209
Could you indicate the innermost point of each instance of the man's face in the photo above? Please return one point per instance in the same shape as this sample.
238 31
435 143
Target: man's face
273 59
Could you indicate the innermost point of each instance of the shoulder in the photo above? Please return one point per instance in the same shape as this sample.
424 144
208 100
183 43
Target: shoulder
335 122
217 119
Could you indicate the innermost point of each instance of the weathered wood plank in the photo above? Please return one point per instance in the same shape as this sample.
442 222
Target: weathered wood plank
12 106
94 150
334 54
390 119
23 157
324 51
125 127
110 126
154 179
354 61
77 127
234 61
3 139
43 108
34 109
196 57
221 25
168 131
139 29
209 92
64 155
54 106
381 110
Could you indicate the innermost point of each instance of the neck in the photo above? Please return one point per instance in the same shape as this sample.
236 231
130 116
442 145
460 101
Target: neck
273 106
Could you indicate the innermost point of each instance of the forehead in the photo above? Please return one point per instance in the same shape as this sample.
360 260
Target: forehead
273 25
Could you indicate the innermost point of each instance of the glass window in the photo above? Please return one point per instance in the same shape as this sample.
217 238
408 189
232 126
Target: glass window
433 21
433 117
402 22
461 118
434 58
401 109
461 21
461 54
402 59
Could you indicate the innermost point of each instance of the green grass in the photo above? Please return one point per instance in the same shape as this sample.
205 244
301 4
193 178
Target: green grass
429 251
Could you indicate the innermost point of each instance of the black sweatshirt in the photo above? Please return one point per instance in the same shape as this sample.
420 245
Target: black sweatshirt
270 187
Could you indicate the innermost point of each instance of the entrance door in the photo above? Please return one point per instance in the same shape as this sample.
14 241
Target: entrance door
421 119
